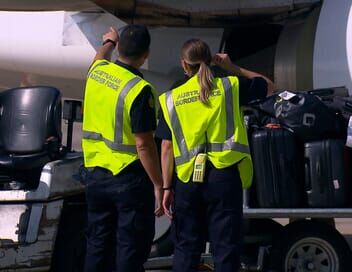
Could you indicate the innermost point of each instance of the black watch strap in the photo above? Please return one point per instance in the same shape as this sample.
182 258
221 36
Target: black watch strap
109 41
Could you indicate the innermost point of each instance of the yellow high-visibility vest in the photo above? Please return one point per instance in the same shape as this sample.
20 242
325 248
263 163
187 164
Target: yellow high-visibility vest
216 128
110 91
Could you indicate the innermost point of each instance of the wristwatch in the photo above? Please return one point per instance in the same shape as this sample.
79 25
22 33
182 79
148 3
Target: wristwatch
109 41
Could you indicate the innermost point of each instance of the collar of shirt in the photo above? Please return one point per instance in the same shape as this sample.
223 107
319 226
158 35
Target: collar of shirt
129 68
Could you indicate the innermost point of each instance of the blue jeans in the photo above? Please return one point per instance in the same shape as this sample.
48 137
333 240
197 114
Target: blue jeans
120 220
212 210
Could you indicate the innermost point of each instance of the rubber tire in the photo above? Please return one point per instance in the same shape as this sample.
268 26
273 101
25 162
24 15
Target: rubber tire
70 245
298 230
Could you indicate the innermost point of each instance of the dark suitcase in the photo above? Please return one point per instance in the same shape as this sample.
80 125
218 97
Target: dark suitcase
308 117
326 185
277 169
267 105
307 114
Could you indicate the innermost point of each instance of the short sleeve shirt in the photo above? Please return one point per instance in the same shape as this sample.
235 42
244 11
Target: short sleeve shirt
142 112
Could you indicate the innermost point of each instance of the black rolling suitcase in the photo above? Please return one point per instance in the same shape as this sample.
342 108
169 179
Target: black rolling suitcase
326 185
277 169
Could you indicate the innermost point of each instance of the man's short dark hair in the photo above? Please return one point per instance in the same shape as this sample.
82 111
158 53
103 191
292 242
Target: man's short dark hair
134 41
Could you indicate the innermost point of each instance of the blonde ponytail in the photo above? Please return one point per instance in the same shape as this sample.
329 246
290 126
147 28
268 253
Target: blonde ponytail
196 54
205 78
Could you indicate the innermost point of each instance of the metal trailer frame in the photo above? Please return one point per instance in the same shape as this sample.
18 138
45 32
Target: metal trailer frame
323 214
297 213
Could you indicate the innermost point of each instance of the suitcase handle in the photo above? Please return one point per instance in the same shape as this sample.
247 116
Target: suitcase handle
320 176
321 92
308 181
348 105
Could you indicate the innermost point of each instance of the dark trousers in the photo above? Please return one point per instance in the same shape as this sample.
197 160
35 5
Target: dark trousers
120 220
210 210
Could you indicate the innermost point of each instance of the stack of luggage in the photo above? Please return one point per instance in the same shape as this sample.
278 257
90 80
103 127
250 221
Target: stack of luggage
298 146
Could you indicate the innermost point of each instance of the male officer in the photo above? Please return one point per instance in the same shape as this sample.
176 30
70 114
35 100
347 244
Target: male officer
118 147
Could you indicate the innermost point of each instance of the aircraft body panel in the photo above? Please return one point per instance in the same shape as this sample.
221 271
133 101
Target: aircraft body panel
35 42
333 45
61 45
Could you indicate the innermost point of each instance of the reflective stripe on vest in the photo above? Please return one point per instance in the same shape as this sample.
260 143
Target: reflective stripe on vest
95 66
117 143
229 144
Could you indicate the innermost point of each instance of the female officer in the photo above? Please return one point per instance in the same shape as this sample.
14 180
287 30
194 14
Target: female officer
202 128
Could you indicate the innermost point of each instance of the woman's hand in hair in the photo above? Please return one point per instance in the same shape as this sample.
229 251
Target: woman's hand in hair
223 61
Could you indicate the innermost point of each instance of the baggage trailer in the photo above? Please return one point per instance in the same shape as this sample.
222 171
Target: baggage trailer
309 242
43 228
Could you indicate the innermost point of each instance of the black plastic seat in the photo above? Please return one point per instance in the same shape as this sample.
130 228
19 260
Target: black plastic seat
27 161
30 127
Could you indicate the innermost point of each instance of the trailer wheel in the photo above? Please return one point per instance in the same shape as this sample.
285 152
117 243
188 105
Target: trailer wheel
309 246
